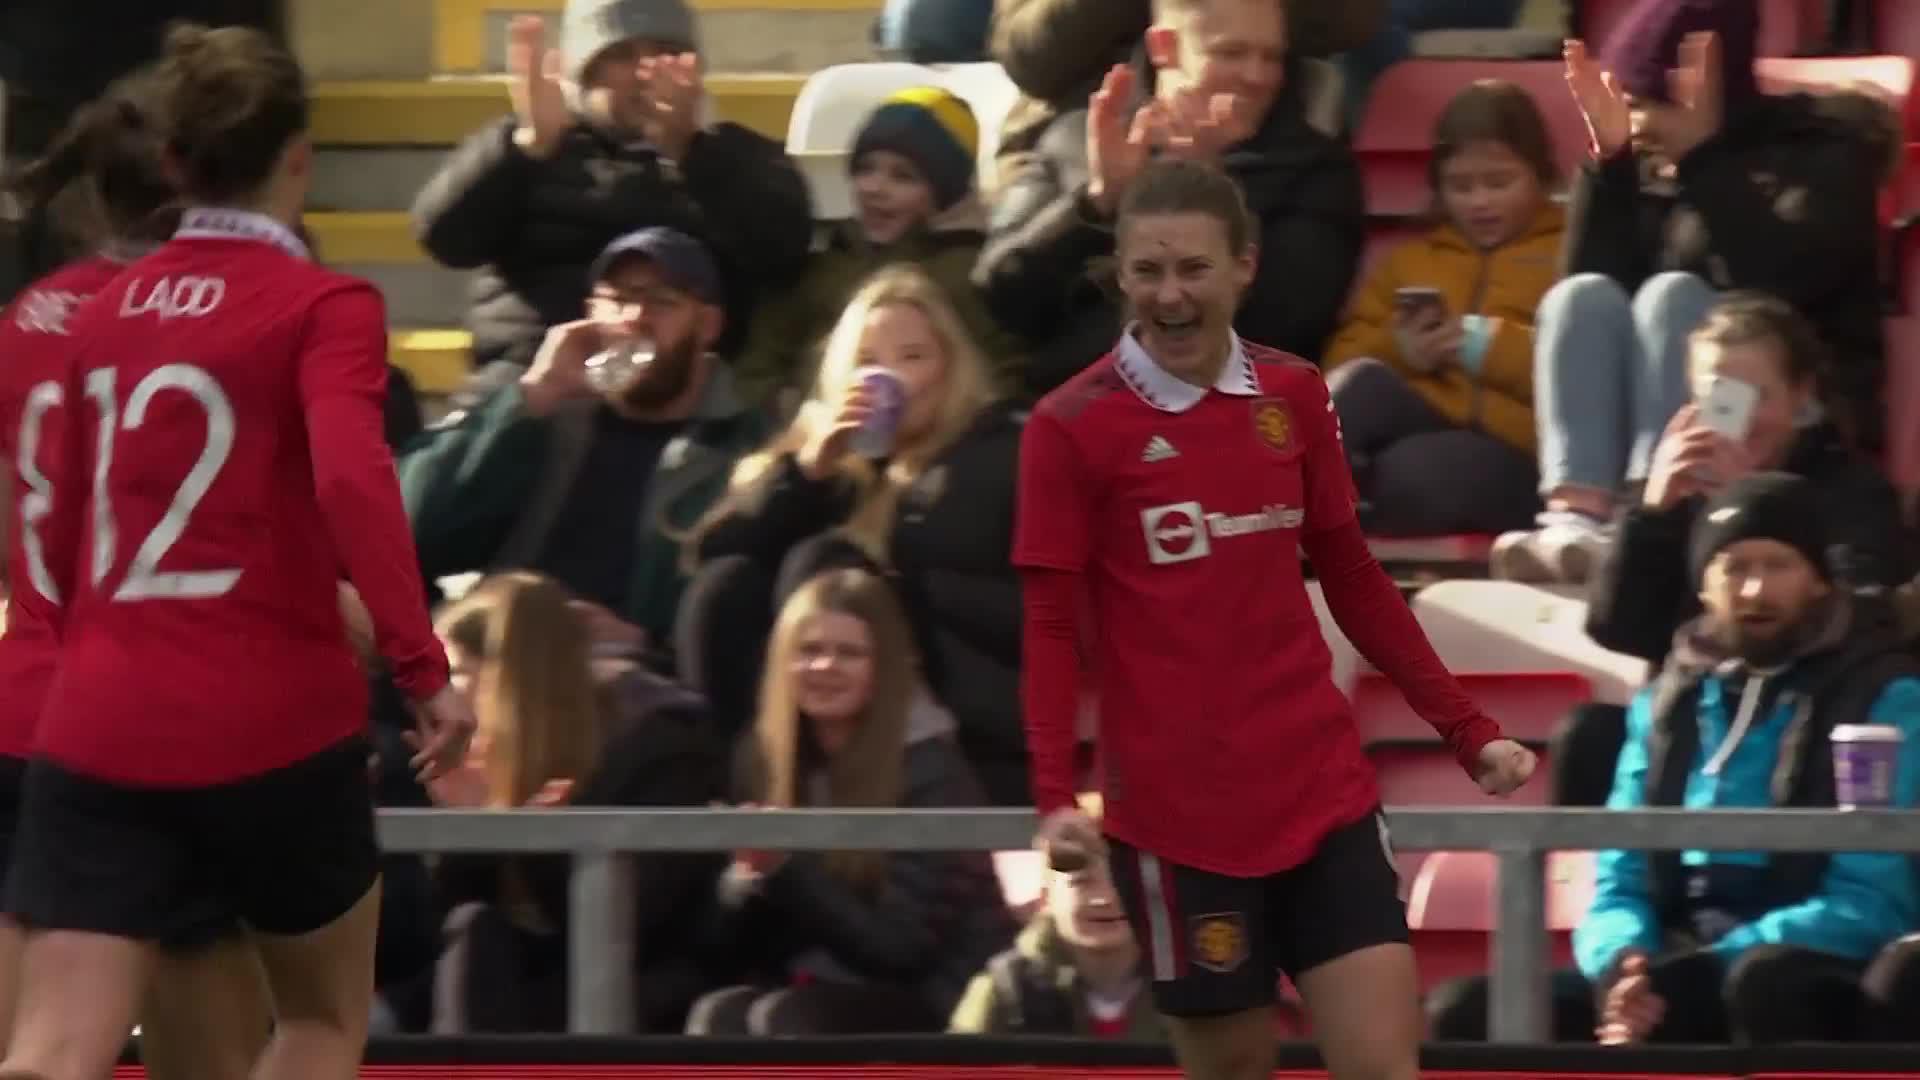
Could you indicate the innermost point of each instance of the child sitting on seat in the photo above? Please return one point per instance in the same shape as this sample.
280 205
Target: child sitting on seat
913 178
1432 373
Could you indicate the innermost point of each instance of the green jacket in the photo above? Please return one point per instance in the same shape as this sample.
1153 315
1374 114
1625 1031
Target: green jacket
1033 989
790 327
484 487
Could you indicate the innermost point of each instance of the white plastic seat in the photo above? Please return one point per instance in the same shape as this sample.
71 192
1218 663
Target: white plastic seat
835 101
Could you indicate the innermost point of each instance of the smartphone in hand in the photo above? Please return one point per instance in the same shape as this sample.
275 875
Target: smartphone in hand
1727 407
1420 305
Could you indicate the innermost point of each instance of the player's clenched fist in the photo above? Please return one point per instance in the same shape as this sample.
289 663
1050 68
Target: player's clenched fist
1504 766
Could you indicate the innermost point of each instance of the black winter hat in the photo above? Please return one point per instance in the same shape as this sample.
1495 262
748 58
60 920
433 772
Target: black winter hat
1762 506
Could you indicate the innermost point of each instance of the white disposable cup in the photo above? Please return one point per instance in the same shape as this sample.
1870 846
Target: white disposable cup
1866 759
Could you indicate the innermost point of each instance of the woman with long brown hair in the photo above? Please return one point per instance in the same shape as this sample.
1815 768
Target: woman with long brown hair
849 942
932 505
554 731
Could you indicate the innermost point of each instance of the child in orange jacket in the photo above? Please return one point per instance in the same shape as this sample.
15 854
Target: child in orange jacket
1432 373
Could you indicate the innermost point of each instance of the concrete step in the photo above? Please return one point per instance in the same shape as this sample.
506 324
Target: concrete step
363 178
417 294
379 246
440 112
798 36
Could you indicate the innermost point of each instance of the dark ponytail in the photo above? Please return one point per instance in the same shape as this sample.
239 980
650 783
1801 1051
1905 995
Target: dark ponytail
111 145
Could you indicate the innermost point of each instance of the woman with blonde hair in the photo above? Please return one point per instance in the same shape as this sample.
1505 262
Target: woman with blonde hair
931 507
558 729
849 942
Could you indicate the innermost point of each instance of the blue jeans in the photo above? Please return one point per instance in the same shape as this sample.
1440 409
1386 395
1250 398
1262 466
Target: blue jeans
1609 372
1394 42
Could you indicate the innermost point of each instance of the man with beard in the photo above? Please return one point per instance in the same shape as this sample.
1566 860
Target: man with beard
589 464
1747 947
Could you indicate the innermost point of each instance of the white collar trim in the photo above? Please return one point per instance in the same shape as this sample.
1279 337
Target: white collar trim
1153 384
207 221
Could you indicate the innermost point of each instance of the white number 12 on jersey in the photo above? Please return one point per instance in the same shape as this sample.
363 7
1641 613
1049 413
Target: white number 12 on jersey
144 580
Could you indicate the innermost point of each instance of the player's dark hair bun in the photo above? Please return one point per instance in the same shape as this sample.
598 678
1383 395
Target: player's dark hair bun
229 99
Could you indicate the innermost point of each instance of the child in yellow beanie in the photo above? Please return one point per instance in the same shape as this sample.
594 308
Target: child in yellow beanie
912 172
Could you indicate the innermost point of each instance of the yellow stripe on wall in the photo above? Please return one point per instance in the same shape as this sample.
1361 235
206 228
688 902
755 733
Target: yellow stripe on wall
460 26
438 360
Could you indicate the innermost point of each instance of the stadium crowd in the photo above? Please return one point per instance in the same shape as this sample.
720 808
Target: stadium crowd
688 549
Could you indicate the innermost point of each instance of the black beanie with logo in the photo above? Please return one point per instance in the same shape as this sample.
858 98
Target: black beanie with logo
1762 506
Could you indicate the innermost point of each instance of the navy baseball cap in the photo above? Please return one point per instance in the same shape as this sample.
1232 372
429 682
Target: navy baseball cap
683 261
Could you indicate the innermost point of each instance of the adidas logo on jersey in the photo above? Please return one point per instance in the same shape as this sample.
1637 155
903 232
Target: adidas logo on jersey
1158 449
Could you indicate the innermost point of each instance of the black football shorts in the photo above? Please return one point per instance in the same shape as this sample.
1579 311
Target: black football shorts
286 852
1214 944
13 783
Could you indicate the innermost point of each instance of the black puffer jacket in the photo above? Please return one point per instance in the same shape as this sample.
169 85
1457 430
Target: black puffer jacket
1641 595
535 226
1782 200
950 554
931 924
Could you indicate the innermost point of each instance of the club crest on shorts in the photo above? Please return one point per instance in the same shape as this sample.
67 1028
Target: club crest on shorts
1273 423
1219 941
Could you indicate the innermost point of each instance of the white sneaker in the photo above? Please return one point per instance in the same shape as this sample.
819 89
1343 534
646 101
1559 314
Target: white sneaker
1564 550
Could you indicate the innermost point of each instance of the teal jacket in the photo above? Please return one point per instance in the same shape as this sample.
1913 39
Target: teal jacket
1859 901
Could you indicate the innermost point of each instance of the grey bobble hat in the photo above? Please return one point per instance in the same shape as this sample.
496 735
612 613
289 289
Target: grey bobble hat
591 26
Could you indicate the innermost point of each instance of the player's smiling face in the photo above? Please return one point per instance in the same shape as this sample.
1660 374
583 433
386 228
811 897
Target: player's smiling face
1183 283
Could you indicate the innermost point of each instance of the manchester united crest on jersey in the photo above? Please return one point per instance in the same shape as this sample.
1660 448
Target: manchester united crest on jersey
1273 423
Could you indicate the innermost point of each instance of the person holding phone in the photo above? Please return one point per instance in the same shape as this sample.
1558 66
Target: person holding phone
1432 372
1698 183
1755 368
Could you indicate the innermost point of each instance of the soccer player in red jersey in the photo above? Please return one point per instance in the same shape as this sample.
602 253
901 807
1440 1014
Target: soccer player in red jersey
215 463
1169 490
207 1014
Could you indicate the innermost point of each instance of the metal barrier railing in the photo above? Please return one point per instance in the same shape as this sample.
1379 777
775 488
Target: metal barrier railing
600 993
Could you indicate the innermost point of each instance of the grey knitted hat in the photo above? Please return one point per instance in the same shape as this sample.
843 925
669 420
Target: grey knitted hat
590 26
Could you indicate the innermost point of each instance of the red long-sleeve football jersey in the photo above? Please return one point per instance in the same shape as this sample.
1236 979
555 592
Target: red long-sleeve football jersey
1176 515
33 342
222 444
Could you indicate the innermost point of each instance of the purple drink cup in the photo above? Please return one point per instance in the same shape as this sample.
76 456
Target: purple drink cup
1866 758
887 402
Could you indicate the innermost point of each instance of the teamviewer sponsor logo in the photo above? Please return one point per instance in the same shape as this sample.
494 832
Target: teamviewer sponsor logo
1182 532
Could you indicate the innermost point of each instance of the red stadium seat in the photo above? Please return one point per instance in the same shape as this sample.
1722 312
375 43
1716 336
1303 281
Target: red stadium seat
1786 26
1897 28
1450 910
1461 550
1395 137
1528 705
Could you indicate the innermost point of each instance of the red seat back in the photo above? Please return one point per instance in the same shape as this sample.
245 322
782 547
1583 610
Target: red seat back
1896 29
1528 705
